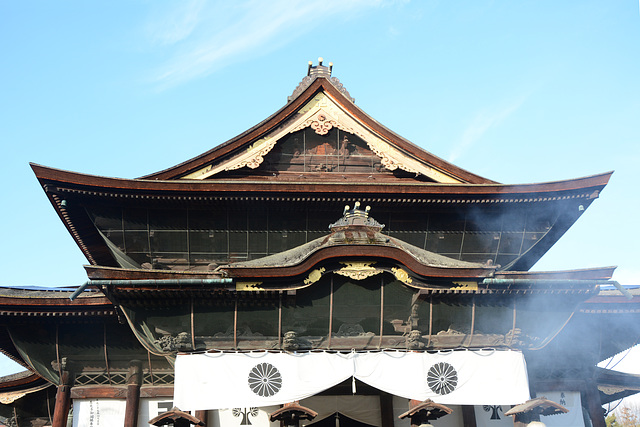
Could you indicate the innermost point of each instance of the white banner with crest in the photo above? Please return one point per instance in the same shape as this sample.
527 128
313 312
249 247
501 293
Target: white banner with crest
228 380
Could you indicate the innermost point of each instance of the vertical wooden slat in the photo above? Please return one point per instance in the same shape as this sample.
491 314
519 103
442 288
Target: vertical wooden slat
386 409
106 356
430 319
58 353
330 313
468 416
150 368
473 320
193 328
381 310
513 326
280 319
235 324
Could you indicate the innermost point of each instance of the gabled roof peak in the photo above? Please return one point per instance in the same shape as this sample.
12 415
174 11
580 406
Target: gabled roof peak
315 72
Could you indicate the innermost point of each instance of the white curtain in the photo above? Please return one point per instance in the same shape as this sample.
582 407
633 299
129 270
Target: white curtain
227 380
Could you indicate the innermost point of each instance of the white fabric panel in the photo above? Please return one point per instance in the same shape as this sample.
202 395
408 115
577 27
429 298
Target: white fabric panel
246 416
493 416
449 378
570 400
98 412
365 409
227 380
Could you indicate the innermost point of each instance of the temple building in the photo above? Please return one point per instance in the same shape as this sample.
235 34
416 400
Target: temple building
317 269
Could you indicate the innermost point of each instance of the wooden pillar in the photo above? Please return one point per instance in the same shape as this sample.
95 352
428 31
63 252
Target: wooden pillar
468 416
594 404
63 400
202 416
134 381
386 409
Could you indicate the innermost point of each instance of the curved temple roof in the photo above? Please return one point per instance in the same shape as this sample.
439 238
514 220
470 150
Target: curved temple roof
242 170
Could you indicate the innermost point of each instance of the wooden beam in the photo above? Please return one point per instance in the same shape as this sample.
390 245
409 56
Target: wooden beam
118 392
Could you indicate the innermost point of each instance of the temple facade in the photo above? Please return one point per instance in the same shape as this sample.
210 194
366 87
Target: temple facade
317 269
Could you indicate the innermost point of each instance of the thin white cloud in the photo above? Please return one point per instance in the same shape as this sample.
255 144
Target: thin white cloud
205 38
481 124
171 25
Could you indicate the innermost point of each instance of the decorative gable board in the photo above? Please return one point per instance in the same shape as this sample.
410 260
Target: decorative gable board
323 115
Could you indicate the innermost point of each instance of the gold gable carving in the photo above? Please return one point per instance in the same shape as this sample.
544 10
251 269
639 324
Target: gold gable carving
358 270
322 114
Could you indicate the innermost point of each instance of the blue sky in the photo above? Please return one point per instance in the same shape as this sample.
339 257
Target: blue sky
517 91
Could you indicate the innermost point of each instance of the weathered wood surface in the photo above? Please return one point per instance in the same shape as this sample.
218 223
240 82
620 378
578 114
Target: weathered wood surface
118 392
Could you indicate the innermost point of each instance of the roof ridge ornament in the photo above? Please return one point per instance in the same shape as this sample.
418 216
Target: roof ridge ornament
356 216
319 70
314 72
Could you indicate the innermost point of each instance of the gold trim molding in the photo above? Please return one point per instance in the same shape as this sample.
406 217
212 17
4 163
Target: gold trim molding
465 286
249 286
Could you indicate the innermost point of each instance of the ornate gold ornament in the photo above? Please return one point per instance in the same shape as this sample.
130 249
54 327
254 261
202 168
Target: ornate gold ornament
402 275
249 286
358 270
465 286
314 276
